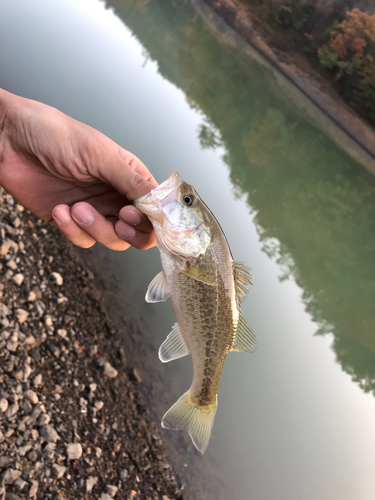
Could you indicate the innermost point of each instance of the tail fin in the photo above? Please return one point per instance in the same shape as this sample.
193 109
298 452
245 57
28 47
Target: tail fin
196 420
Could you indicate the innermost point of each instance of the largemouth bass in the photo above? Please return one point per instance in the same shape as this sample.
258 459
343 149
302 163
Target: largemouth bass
206 288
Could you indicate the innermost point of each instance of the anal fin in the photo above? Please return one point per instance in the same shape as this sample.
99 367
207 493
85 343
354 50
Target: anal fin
157 290
245 340
173 347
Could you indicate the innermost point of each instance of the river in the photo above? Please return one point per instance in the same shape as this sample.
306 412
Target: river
296 419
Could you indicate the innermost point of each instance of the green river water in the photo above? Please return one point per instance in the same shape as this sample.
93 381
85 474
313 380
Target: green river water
296 420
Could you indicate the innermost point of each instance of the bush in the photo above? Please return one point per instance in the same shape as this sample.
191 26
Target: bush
350 54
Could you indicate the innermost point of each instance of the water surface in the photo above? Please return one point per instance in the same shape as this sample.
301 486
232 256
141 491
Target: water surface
296 419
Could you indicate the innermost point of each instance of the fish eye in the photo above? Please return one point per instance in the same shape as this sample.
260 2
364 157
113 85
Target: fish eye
188 199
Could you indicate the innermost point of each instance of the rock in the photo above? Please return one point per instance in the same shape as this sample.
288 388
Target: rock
93 387
2 438
137 375
48 320
4 311
124 474
33 489
30 341
38 380
109 371
12 345
26 407
24 449
74 451
31 396
18 279
58 471
21 315
49 434
90 483
12 410
104 496
112 490
11 475
31 297
44 419
62 333
5 247
3 405
17 222
58 278
32 456
4 461
12 265
20 483
12 496
99 405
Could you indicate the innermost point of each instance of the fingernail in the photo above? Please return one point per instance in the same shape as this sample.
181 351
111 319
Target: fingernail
132 217
124 231
83 215
62 215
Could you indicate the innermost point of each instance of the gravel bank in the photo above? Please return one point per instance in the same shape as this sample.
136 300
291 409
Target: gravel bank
72 422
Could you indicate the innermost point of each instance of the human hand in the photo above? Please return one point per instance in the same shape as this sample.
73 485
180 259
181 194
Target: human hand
72 176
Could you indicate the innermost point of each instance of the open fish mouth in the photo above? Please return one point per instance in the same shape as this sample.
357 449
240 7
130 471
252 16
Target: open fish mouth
160 196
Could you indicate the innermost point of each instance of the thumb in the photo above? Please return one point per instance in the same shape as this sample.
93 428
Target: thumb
127 174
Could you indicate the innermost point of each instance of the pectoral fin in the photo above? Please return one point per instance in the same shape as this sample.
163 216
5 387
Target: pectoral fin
198 275
245 340
173 347
157 290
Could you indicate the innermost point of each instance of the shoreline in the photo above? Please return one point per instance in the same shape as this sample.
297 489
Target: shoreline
73 423
293 78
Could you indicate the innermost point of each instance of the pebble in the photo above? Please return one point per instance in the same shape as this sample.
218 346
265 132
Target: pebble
74 451
62 333
33 489
38 380
48 320
112 490
2 438
12 410
109 371
49 434
32 456
31 396
12 496
3 405
21 315
20 483
104 496
44 419
18 279
58 278
22 450
31 297
137 375
4 248
11 475
90 483
12 265
99 405
58 471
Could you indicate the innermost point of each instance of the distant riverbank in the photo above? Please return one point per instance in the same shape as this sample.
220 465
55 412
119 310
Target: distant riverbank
293 78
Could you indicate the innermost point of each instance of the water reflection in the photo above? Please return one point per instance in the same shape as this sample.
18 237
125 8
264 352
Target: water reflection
317 205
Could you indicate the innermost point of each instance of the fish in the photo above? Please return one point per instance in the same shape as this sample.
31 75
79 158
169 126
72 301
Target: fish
206 287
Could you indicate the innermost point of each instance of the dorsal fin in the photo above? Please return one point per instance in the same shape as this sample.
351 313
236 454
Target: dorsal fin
243 279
